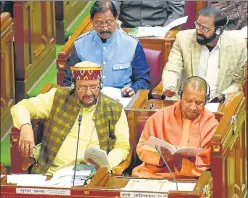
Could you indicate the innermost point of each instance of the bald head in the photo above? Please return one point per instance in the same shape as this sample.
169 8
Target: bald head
196 83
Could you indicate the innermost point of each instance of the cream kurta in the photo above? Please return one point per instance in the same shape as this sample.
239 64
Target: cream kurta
42 105
167 125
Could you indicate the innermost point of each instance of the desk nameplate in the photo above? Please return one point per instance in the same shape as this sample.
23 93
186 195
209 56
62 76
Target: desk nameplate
128 194
42 191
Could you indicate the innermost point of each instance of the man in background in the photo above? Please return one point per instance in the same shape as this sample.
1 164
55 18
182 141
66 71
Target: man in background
148 13
120 55
208 51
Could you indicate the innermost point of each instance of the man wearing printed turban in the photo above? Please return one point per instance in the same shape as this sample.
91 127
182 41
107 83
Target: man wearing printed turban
104 123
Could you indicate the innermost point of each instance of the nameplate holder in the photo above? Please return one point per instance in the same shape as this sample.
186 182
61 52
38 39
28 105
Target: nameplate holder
42 191
142 195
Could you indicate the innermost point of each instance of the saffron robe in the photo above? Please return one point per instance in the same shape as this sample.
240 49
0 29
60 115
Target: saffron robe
167 124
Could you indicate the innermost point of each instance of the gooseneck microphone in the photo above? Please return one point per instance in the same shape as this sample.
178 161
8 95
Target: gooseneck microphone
75 166
172 174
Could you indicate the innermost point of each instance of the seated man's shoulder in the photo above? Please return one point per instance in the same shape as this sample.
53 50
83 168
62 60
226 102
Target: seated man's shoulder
186 33
233 38
63 90
128 37
84 36
186 36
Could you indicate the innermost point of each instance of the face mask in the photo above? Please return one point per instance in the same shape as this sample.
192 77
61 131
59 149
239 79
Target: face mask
202 40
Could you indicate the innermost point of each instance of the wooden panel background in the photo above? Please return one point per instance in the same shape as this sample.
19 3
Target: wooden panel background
34 42
7 71
66 12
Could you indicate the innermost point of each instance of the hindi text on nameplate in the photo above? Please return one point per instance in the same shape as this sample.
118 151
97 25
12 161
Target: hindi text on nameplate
42 191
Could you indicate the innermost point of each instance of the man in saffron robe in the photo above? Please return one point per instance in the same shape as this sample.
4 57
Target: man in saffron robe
185 124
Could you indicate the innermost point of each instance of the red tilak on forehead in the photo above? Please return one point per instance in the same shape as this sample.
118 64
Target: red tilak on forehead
87 75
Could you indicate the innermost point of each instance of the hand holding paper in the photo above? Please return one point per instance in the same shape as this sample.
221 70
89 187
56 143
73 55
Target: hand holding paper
97 156
183 151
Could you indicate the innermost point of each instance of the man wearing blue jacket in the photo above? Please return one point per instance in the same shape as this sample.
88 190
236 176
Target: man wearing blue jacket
120 55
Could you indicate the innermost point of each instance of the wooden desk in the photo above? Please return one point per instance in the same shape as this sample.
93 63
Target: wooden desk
105 185
229 145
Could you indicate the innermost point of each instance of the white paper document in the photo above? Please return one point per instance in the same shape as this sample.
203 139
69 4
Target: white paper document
115 93
26 179
65 176
61 178
99 156
212 107
159 31
189 151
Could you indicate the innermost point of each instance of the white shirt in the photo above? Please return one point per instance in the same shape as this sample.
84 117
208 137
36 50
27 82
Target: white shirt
209 67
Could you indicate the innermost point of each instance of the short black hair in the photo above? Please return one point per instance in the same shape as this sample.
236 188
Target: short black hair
103 6
220 17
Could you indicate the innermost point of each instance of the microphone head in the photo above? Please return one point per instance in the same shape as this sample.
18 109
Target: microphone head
80 118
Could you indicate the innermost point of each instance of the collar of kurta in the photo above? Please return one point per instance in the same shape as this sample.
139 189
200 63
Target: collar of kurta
88 109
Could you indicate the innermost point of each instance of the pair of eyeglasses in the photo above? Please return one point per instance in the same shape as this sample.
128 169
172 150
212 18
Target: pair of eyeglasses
92 88
204 29
108 23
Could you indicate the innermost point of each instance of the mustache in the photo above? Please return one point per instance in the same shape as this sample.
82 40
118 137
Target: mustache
105 32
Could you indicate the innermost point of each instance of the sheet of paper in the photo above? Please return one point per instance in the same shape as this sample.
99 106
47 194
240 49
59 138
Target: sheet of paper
99 156
153 141
175 23
68 171
212 107
159 31
66 182
115 93
182 186
190 151
65 176
29 179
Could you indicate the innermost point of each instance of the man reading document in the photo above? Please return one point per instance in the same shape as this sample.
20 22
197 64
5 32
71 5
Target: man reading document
185 124
103 122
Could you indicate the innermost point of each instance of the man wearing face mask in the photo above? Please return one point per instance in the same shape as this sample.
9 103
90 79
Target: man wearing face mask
120 55
208 51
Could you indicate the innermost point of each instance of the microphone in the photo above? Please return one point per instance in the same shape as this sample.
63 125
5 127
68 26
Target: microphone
75 166
172 174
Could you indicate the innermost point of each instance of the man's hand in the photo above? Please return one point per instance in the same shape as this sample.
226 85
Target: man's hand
127 92
166 155
26 141
92 162
170 91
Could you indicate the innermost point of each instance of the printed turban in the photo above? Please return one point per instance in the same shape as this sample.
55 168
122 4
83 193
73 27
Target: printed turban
86 71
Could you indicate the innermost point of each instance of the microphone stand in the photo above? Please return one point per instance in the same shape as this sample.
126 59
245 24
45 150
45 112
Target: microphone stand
172 174
75 166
